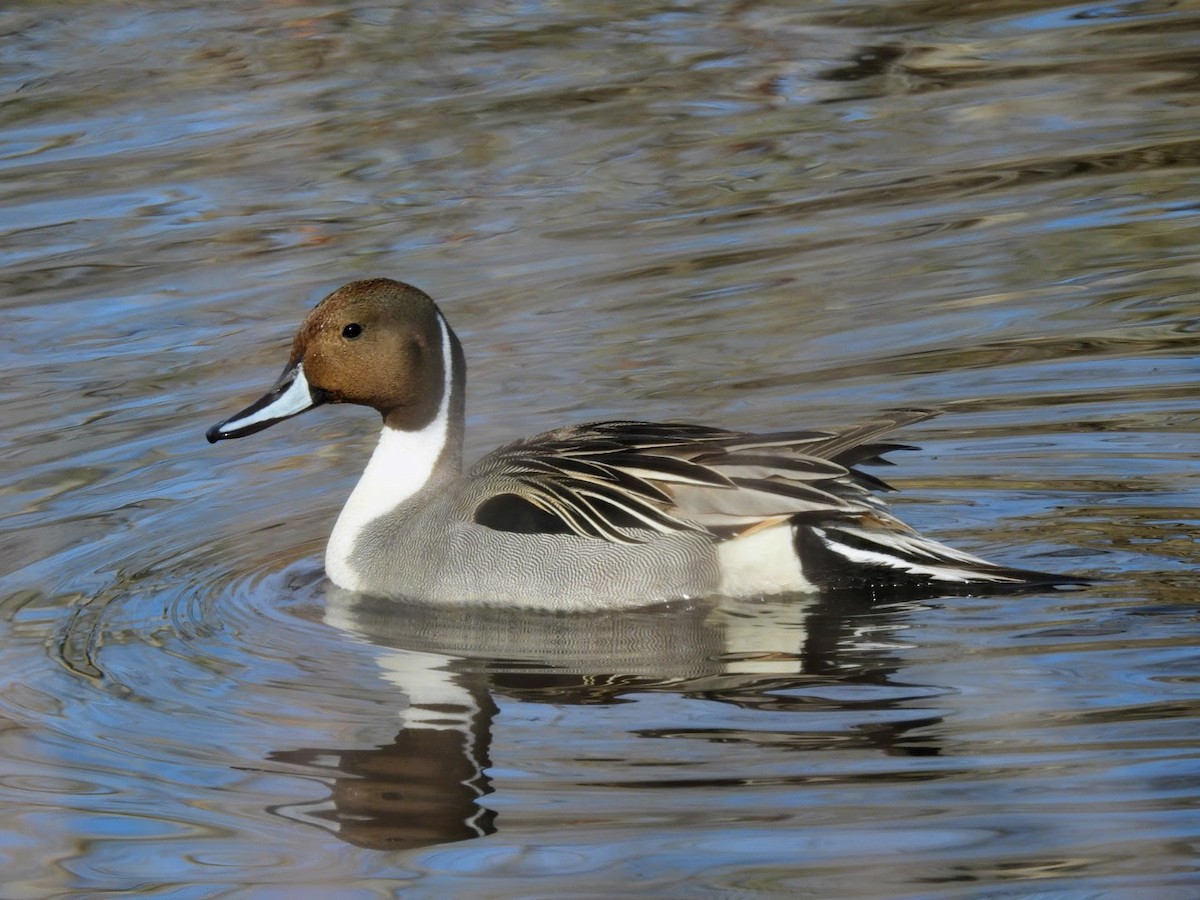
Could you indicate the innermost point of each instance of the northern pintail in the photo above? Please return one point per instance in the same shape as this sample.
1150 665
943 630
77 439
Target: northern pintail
587 516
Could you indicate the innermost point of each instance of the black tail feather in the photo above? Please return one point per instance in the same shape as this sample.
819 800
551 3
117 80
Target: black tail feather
854 558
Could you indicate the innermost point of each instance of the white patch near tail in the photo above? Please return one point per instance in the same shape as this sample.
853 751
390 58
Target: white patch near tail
762 562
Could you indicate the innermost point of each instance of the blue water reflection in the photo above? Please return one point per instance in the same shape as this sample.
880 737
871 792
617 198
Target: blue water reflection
761 215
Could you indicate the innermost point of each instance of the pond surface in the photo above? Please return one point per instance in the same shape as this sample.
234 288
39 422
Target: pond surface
753 214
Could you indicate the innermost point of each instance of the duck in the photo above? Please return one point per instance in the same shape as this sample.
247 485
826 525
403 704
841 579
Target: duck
593 516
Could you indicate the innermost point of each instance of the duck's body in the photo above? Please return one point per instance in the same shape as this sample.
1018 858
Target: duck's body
591 516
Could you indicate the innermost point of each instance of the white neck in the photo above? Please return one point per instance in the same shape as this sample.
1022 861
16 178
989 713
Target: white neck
401 465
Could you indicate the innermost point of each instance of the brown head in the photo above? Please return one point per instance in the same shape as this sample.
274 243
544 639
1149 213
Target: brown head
378 343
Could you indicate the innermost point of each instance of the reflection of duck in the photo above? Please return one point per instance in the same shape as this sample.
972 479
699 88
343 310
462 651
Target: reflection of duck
593 516
428 786
422 788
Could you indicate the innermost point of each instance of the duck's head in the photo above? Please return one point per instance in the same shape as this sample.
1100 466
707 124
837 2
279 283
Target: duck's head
378 343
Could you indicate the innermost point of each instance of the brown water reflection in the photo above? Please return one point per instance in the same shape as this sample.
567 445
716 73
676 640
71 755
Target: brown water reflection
757 214
428 786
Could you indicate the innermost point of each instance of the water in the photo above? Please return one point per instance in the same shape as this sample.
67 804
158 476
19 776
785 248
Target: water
751 214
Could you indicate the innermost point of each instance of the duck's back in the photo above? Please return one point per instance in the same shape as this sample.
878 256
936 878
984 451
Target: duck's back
424 553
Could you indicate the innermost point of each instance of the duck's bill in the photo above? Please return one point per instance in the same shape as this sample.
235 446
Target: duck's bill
290 396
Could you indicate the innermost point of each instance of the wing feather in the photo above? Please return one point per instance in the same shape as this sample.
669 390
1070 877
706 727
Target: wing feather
630 482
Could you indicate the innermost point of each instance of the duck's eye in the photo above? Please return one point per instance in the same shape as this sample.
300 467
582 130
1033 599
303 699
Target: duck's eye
351 331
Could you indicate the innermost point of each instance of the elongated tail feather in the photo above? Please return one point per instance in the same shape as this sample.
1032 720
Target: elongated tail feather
852 555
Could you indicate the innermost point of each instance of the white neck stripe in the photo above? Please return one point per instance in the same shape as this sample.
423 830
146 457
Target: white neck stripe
401 465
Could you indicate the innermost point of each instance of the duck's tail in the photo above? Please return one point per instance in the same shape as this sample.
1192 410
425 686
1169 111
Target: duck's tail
879 551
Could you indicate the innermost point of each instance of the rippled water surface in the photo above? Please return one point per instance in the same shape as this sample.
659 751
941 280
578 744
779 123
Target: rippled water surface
755 214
